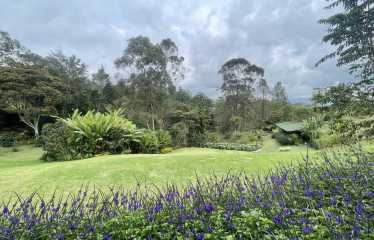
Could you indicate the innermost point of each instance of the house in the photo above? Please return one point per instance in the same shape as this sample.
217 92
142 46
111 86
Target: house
291 127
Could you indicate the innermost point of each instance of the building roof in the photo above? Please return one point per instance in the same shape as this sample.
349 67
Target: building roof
291 126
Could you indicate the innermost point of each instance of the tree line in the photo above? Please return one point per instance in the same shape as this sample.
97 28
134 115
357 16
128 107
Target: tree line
146 86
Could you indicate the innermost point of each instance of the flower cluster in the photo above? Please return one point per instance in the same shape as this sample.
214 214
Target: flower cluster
332 199
233 146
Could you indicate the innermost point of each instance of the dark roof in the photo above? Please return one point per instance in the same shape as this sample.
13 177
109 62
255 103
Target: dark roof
290 126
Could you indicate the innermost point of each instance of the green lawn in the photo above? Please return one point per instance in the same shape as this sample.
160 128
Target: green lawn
23 172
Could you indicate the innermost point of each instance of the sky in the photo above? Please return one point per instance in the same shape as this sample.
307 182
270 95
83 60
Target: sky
283 37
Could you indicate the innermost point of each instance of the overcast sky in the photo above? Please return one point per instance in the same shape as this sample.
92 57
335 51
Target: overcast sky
282 36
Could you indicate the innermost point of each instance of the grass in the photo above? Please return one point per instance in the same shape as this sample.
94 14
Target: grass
23 172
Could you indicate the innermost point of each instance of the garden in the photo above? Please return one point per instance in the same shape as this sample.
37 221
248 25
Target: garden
133 154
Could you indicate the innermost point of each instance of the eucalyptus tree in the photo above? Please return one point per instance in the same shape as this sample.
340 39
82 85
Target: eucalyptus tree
264 91
238 87
100 78
279 93
147 65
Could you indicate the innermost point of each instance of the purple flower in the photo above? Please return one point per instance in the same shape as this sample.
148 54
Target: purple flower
60 236
370 194
277 220
307 229
5 211
158 207
200 236
308 193
286 212
356 230
107 237
359 209
208 208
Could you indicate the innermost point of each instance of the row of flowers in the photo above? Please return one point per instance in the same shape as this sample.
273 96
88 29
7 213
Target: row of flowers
330 199
233 146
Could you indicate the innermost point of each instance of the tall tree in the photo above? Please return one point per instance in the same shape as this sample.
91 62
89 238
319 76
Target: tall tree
31 93
279 93
100 78
352 32
239 77
149 78
264 91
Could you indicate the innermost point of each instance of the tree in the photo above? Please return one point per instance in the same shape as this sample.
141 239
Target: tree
239 77
74 74
100 78
264 91
147 64
352 32
279 93
31 93
13 54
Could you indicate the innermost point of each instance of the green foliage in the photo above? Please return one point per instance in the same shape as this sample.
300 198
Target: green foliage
164 139
326 141
149 142
212 137
233 146
91 129
349 31
179 133
245 137
8 140
31 93
312 127
83 136
56 142
166 150
283 139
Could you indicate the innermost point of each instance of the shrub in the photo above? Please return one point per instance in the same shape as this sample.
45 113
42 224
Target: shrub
56 142
283 139
233 146
7 140
164 139
326 141
212 137
95 133
331 199
149 142
166 150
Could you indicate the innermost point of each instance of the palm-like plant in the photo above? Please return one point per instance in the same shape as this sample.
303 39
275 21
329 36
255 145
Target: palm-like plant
92 127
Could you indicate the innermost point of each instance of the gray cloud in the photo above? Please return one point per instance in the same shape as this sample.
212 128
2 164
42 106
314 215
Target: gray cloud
281 36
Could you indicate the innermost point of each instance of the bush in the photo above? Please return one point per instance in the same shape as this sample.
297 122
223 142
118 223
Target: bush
8 140
212 137
56 142
166 150
164 139
233 146
91 129
326 141
330 199
149 142
283 139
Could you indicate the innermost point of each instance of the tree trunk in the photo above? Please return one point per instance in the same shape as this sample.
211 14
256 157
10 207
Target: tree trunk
34 125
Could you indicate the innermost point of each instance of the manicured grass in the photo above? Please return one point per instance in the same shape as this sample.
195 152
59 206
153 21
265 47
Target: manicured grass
24 173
